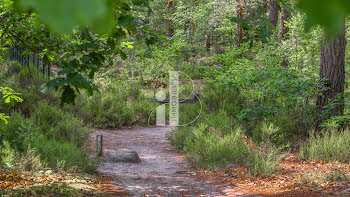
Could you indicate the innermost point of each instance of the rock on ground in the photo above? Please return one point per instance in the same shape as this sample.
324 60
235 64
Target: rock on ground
126 156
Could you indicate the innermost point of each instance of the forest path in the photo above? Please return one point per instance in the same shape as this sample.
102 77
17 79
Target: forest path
162 172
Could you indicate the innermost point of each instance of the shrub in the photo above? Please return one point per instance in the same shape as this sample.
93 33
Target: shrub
209 149
58 155
17 128
328 145
56 124
142 110
7 155
116 105
49 138
12 159
265 160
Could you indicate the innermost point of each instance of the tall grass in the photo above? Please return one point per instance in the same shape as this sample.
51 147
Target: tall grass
39 133
209 149
328 145
215 139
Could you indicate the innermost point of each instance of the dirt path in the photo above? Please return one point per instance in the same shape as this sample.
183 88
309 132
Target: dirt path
162 172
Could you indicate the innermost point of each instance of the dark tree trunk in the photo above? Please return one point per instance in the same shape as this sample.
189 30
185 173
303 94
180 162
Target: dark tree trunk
170 28
208 44
332 74
239 14
266 5
273 12
170 32
283 18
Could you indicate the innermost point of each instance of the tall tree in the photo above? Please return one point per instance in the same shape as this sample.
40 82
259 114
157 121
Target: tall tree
239 14
332 75
284 16
266 5
273 12
170 28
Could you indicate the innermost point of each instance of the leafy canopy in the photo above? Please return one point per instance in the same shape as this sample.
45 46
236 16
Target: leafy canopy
63 15
329 14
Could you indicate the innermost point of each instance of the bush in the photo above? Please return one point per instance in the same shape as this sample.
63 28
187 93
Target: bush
11 159
49 138
117 105
217 142
328 145
56 124
215 138
61 155
265 160
208 149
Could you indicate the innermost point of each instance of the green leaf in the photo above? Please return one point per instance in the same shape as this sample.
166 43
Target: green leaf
329 14
68 95
63 15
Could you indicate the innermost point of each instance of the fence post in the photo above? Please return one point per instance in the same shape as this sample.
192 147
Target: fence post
37 62
99 145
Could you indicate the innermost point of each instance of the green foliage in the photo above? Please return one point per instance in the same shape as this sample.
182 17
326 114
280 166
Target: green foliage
12 159
329 14
268 90
36 125
207 149
81 51
55 124
211 147
114 107
215 139
329 145
10 97
57 154
260 26
55 142
63 16
265 162
7 155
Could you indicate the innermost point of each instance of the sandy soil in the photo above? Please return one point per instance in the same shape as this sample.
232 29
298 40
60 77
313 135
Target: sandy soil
162 172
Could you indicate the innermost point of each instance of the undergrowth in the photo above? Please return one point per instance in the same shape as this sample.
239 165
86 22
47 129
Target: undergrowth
331 145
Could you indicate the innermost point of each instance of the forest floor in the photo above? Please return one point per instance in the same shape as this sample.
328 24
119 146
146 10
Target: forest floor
165 172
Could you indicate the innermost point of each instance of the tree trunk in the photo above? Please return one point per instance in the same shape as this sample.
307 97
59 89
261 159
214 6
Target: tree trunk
239 14
266 5
283 18
273 12
332 74
208 44
170 28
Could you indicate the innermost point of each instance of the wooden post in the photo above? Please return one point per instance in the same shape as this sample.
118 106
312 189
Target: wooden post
99 143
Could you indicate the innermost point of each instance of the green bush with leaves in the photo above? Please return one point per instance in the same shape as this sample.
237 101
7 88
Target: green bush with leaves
58 125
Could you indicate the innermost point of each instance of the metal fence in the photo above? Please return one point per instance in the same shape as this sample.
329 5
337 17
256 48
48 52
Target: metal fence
16 54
